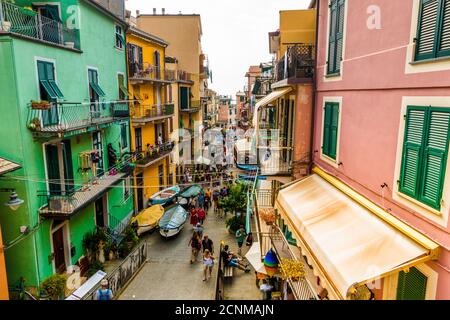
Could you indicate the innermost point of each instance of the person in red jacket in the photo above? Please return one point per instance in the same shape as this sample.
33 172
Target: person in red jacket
194 216
201 215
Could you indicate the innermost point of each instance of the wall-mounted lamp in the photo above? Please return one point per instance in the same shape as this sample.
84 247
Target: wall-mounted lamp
14 201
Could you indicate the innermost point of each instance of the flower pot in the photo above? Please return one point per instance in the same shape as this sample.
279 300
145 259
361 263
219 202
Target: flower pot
6 26
70 45
40 105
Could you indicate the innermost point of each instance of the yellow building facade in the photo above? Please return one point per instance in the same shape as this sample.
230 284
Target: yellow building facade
152 114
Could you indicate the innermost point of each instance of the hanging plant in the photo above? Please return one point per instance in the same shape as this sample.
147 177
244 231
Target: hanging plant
267 214
292 269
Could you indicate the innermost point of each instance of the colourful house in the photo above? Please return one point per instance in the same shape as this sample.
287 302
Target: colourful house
152 114
67 111
379 190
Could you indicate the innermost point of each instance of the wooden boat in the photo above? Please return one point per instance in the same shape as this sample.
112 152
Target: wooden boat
172 221
148 219
164 196
191 192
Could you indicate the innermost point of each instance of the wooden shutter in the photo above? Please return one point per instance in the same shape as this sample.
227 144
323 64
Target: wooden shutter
334 130
412 149
339 34
332 38
428 27
51 158
444 40
68 166
435 157
327 128
411 285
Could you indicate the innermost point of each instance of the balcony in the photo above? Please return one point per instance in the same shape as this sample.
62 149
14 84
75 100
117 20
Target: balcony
194 106
144 114
64 204
144 159
32 25
65 118
300 64
179 76
148 73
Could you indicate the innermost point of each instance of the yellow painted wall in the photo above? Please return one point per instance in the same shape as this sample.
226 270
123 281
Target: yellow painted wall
3 280
296 26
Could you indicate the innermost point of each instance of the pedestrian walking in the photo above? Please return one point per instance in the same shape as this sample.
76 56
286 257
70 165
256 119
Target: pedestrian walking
201 215
215 196
195 245
208 263
266 289
194 217
104 293
198 229
207 244
201 199
240 237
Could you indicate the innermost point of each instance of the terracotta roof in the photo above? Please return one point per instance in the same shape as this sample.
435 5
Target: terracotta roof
7 166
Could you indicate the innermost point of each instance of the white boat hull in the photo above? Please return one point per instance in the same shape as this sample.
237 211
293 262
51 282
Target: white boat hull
171 232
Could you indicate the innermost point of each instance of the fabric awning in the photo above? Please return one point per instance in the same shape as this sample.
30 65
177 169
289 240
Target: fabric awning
347 243
254 257
266 100
243 146
7 166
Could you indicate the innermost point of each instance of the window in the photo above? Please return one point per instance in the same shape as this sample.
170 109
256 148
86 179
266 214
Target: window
123 91
184 98
424 157
433 34
123 136
336 36
95 89
126 188
330 129
161 176
411 285
120 40
48 88
138 139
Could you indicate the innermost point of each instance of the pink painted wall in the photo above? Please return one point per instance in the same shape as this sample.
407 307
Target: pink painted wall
372 87
223 112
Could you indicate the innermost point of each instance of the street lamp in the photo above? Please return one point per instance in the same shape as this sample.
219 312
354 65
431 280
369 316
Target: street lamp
14 201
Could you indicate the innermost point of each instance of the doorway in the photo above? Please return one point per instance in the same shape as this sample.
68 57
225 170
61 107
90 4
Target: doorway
140 191
101 212
60 244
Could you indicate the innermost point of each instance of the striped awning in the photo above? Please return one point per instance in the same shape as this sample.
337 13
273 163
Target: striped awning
7 166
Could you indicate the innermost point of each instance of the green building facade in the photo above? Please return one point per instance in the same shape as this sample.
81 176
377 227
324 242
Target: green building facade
62 111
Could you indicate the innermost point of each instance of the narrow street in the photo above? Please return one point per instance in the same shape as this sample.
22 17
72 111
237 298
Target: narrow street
169 275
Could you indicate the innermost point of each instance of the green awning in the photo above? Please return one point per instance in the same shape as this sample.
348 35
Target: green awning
124 90
97 89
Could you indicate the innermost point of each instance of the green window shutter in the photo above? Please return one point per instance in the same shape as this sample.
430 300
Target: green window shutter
435 157
339 34
51 158
411 285
428 28
48 88
184 98
56 89
123 135
68 166
334 130
444 35
412 149
327 128
332 38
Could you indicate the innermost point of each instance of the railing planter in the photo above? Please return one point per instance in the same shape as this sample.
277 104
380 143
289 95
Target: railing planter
40 105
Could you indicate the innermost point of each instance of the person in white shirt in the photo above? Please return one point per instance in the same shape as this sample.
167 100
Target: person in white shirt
266 288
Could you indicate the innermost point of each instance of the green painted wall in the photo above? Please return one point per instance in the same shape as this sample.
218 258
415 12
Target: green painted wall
18 86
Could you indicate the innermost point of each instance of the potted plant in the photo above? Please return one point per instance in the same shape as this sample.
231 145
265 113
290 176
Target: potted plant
234 223
55 286
236 201
268 215
35 124
40 105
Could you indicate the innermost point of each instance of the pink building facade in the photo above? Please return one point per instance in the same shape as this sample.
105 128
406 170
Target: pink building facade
385 78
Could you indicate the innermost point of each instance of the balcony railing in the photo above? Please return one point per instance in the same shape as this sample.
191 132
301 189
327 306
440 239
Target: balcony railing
64 204
194 106
60 117
300 62
179 75
144 113
148 72
29 23
143 159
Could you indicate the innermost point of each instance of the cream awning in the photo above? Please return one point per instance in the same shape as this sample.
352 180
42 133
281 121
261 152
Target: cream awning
254 257
266 100
349 240
7 166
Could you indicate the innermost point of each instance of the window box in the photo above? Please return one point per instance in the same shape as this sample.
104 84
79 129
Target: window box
40 105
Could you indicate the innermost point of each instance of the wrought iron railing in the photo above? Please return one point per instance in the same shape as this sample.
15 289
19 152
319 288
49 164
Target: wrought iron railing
25 22
146 112
58 117
120 277
179 75
76 196
153 153
194 106
300 62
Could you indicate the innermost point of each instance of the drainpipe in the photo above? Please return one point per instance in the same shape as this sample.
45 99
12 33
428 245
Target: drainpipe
313 116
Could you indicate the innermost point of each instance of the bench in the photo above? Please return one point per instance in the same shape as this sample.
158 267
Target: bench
228 271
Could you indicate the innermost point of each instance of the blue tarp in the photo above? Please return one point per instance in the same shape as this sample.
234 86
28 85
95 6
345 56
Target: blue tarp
173 218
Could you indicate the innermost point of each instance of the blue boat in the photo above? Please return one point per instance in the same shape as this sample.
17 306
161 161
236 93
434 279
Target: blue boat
247 167
165 196
191 192
172 221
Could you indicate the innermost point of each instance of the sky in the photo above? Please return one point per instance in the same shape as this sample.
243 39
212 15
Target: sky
235 33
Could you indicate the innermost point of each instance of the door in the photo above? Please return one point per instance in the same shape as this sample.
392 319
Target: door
138 139
97 144
100 213
140 191
58 250
53 169
50 22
